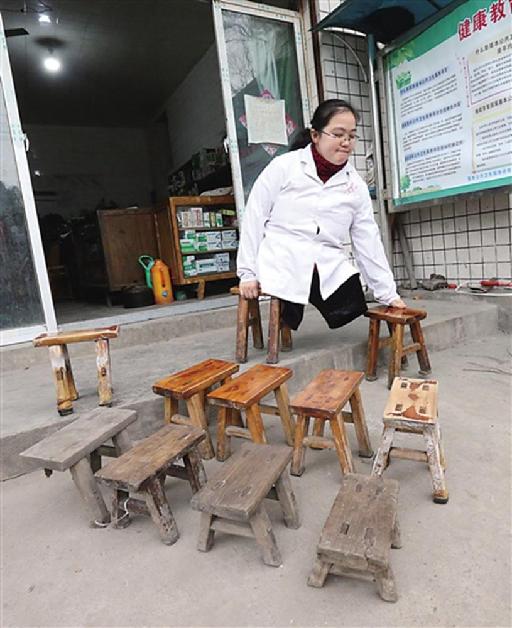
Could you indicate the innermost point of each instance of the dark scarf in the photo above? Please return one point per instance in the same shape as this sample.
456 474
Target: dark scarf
324 168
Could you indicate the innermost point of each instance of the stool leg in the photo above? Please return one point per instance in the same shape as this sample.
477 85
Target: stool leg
195 470
423 360
57 359
160 511
396 538
273 331
287 501
104 373
223 440
234 416
318 430
170 409
386 585
299 450
119 510
434 463
404 361
373 350
122 442
95 461
262 530
363 438
395 359
441 448
241 330
318 573
85 482
255 322
195 408
283 403
255 424
341 443
69 374
382 457
286 338
206 534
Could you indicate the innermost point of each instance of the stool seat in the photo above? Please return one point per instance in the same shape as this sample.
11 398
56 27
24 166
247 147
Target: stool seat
245 392
251 386
144 468
396 319
79 335
415 400
191 385
359 532
326 395
197 378
232 501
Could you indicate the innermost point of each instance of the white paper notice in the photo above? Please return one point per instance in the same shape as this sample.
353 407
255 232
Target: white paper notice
266 122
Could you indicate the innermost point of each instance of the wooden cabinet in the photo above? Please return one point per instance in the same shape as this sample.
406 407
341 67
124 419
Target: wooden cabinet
198 238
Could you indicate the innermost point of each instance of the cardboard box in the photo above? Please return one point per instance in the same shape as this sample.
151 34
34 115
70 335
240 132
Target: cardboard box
230 239
206 265
189 265
219 221
222 262
197 214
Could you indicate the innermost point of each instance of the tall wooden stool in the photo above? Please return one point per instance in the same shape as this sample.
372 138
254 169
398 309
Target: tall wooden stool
324 399
245 393
279 336
396 320
232 501
79 447
144 469
61 364
412 408
192 384
358 534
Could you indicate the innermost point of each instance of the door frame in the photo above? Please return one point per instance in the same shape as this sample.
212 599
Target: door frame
20 144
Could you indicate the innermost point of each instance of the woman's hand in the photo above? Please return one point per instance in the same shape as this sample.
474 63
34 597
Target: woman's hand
249 289
398 303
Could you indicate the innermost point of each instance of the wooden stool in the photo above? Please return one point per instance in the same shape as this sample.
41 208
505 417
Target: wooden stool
232 501
358 534
323 399
79 447
192 385
61 364
396 320
412 408
143 469
245 393
249 316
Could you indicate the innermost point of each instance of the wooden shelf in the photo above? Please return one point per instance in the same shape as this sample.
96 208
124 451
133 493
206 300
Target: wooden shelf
208 252
208 228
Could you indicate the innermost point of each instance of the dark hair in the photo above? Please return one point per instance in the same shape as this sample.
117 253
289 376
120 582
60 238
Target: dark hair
321 118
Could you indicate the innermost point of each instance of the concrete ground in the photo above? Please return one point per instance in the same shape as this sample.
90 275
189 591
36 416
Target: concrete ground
453 569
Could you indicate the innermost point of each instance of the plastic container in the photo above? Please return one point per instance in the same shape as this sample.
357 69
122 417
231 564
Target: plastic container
161 280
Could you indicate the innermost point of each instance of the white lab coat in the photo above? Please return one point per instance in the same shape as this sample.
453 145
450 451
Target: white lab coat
279 243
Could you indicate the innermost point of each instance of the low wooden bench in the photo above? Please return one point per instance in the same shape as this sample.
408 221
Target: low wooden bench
396 320
244 393
412 408
323 399
192 384
279 335
61 364
144 469
358 534
78 447
232 501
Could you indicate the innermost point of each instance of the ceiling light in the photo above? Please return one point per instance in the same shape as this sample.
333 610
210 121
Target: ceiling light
45 19
52 64
37 173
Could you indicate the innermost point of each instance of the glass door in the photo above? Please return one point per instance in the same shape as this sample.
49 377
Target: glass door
261 60
27 306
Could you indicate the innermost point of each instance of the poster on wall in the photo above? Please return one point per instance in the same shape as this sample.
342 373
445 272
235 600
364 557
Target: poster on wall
450 104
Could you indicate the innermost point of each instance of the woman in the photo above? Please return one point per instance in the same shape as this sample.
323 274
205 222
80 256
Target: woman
303 209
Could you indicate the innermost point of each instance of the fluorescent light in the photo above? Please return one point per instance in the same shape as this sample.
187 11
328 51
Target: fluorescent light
45 19
52 64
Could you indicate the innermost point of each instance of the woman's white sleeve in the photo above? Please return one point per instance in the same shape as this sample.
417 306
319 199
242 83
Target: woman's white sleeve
256 214
369 252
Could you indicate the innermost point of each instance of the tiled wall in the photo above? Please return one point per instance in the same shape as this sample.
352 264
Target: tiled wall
464 240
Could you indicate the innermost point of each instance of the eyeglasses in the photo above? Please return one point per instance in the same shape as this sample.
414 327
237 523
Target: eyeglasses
350 137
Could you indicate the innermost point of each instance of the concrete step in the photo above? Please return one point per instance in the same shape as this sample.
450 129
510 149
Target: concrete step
29 410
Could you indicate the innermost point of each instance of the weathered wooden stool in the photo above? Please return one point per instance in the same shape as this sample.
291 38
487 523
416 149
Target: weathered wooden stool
144 469
79 446
245 393
324 399
396 320
412 408
279 336
61 364
191 385
358 534
232 501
